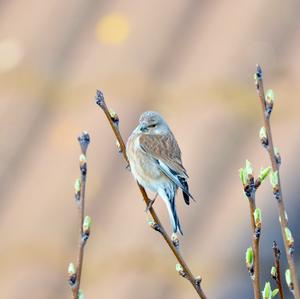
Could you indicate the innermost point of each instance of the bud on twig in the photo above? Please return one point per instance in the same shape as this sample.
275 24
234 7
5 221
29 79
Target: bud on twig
77 188
277 156
100 99
175 240
86 227
250 261
246 176
274 273
289 239
154 225
84 141
114 117
72 273
274 180
257 217
83 164
180 270
264 172
269 102
288 279
263 137
267 293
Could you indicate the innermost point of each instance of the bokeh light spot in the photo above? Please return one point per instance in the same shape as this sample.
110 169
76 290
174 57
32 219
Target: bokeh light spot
11 54
112 29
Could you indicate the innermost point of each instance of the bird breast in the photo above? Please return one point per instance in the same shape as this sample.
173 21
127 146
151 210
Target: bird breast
143 167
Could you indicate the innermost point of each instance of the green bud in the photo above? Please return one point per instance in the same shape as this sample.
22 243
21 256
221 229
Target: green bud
248 168
274 178
270 98
82 159
114 116
288 278
289 237
249 257
276 151
267 292
243 176
87 223
77 186
274 272
257 217
275 292
71 269
175 240
80 294
263 133
264 172
179 268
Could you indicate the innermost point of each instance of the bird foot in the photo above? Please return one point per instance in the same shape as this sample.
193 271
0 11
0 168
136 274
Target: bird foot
150 203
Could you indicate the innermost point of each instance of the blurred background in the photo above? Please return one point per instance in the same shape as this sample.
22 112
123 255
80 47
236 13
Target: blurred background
191 60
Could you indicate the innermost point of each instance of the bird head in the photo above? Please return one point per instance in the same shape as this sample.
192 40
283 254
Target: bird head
152 123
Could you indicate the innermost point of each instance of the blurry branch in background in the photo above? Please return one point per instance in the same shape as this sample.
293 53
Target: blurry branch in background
252 254
275 270
182 268
267 102
74 271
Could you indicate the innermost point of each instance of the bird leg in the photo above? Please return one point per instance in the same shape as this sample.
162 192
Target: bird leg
151 202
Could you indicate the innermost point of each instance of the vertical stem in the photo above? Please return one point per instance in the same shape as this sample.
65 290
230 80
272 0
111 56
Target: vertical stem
84 140
196 283
275 167
255 246
276 254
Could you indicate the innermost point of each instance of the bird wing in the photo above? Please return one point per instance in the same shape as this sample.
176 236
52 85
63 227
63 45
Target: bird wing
165 150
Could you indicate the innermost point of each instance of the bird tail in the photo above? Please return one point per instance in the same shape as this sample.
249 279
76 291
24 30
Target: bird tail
171 207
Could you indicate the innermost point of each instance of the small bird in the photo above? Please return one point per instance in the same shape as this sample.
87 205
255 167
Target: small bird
155 162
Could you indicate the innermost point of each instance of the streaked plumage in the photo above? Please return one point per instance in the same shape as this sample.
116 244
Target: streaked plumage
155 162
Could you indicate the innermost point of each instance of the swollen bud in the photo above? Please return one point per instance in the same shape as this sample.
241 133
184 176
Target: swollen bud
274 180
249 258
289 237
274 272
288 279
270 98
257 217
72 273
264 172
263 137
180 270
267 292
114 117
277 155
175 240
86 228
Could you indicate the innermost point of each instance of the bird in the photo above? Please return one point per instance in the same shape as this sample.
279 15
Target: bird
155 162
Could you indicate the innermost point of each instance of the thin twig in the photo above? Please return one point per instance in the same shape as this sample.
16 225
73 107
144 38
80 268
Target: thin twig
250 187
276 255
255 246
84 222
185 272
266 109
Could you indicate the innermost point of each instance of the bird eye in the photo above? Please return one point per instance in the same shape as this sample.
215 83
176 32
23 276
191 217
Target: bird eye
152 126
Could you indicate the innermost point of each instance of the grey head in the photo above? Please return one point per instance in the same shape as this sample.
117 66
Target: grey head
152 122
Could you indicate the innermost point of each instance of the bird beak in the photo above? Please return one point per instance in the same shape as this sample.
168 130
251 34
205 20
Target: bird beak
143 127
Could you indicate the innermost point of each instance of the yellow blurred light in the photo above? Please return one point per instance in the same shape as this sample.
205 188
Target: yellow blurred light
11 54
112 29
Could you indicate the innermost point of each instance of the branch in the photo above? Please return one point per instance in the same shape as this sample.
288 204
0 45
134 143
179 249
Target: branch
182 267
252 254
275 271
267 140
84 222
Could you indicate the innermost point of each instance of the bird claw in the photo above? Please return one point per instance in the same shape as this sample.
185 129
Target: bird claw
150 203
